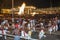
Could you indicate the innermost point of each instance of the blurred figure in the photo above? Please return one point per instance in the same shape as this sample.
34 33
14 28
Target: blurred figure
22 33
29 26
58 24
32 22
16 32
30 33
56 27
53 27
4 33
25 35
1 36
42 34
50 27
50 30
55 23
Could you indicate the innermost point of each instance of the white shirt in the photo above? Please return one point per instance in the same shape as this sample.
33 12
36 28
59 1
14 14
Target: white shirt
0 33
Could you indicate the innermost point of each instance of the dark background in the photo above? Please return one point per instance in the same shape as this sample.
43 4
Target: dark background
37 3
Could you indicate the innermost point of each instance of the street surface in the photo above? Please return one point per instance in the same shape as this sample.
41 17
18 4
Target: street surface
53 36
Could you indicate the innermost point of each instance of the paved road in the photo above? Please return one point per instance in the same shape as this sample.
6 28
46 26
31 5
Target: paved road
53 36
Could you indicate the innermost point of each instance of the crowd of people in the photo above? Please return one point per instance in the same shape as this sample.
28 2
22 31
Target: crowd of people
25 27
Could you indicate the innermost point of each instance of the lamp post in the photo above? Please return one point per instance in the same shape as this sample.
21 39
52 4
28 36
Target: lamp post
12 11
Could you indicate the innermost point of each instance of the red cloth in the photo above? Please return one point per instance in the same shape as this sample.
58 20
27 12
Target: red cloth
16 25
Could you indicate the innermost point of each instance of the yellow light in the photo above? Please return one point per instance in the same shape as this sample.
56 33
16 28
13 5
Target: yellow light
33 13
5 10
21 9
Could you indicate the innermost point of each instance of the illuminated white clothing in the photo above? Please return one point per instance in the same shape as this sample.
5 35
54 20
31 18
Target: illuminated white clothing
29 33
24 22
50 30
32 23
4 32
41 24
13 26
5 21
56 27
28 25
41 34
0 33
22 33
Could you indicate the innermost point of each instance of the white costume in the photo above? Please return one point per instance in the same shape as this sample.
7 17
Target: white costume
4 32
41 34
22 33
24 22
29 33
5 21
25 35
0 33
50 30
56 27
29 25
32 22
41 24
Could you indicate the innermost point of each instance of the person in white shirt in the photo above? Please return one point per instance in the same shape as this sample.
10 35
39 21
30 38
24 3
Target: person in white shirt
41 34
1 36
29 26
32 22
56 27
50 30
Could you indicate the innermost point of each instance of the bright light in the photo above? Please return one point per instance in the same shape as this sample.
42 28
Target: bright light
33 13
21 9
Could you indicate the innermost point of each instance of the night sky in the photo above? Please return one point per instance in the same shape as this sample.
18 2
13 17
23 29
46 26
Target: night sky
37 3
